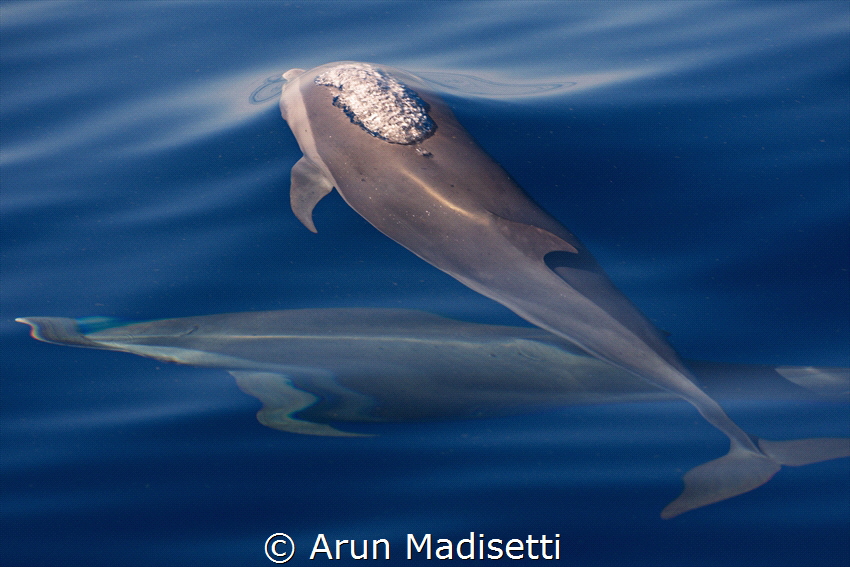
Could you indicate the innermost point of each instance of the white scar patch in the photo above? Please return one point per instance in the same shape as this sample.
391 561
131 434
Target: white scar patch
379 103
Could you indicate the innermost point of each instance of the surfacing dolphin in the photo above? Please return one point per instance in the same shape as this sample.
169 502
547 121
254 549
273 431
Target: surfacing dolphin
397 155
314 367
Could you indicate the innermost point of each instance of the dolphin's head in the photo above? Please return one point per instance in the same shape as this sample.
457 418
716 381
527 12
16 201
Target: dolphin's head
381 100
290 84
377 100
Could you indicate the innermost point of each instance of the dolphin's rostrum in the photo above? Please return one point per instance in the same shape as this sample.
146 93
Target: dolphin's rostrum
431 188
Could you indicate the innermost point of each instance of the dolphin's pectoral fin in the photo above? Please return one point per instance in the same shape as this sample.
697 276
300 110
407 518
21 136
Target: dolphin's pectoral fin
736 472
308 185
532 240
742 470
280 400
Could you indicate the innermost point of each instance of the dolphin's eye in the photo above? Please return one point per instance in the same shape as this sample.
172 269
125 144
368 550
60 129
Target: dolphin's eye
379 103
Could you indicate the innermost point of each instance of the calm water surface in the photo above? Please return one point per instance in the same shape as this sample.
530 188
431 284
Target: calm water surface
700 149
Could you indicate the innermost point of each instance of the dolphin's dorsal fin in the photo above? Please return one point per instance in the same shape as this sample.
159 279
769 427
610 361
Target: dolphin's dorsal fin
532 240
309 184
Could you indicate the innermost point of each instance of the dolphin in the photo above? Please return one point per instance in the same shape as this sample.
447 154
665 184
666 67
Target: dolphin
396 154
314 367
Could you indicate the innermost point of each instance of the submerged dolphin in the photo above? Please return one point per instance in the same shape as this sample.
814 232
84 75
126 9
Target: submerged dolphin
314 366
398 156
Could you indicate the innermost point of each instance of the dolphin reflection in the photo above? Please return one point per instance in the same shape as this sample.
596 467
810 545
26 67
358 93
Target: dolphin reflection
314 367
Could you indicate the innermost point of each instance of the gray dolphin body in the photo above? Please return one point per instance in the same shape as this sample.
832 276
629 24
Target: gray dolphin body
314 367
382 365
398 156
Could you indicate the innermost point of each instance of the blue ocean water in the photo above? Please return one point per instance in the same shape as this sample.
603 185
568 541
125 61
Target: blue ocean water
700 151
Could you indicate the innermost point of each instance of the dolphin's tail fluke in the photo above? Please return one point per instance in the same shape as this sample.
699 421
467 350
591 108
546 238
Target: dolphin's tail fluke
798 452
742 470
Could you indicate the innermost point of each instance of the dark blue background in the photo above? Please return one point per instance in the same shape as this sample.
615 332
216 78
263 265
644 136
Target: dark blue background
702 155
